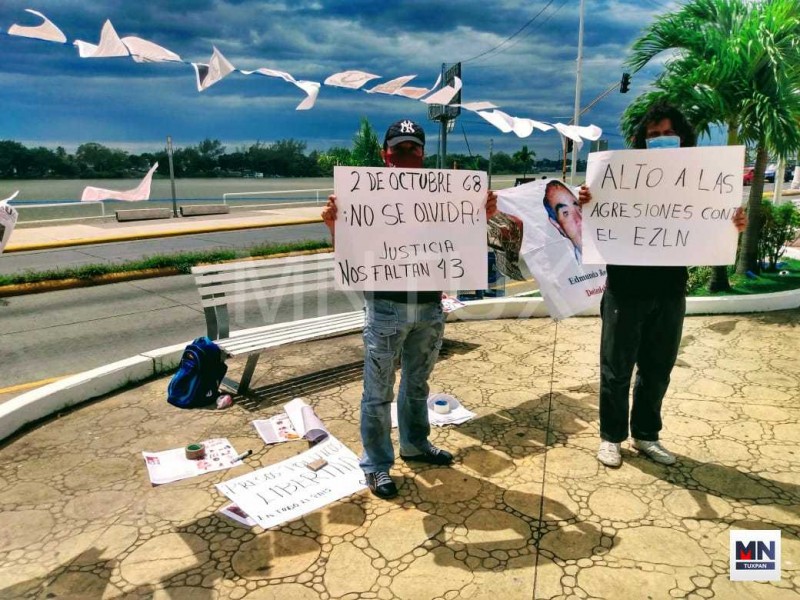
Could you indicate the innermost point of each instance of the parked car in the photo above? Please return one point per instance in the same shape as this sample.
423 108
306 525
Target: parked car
789 174
769 174
747 176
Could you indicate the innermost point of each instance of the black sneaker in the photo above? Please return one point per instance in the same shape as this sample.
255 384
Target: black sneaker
381 485
432 456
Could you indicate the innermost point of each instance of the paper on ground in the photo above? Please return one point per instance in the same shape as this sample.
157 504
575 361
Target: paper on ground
172 465
237 514
276 429
288 490
450 304
298 421
457 415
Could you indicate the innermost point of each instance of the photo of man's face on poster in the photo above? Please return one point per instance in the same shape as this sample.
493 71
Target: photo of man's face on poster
564 213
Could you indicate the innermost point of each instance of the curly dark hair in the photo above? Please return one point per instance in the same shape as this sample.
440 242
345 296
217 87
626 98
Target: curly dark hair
658 112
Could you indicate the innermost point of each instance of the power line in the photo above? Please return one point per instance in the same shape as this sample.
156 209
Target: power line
518 40
509 38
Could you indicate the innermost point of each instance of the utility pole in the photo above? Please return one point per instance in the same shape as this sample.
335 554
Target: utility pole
172 176
489 174
577 116
443 131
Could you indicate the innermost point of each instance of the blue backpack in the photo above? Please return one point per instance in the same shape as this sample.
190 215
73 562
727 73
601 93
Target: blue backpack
199 375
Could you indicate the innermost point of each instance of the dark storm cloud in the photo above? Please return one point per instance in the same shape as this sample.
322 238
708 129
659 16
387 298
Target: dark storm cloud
47 88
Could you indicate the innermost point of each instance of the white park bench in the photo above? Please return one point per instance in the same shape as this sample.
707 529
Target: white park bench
225 284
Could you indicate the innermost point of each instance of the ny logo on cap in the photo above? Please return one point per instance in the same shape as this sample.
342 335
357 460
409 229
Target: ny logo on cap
407 127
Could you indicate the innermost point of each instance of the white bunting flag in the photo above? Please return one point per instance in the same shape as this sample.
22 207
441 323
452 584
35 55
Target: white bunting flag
311 88
217 69
350 79
110 45
140 192
47 31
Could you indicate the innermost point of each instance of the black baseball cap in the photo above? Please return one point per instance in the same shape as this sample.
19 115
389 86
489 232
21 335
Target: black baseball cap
404 131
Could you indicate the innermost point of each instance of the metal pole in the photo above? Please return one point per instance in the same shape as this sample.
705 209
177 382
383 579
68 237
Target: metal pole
577 95
443 147
777 193
172 177
443 130
491 149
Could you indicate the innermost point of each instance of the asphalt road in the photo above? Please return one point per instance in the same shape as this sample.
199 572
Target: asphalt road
42 260
65 332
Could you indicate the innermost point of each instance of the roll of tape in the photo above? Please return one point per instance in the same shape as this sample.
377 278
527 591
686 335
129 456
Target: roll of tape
195 451
441 406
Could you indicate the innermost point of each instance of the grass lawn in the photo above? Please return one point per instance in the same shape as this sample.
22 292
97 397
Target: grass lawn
182 262
765 283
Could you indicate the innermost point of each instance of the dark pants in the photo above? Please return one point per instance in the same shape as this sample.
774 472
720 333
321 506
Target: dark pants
645 332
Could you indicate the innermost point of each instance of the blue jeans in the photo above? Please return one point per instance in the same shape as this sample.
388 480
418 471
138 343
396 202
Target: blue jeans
411 334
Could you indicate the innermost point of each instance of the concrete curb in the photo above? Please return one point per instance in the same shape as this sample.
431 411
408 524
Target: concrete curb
148 236
54 285
39 403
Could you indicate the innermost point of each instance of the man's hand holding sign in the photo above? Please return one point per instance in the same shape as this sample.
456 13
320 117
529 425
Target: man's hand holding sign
663 207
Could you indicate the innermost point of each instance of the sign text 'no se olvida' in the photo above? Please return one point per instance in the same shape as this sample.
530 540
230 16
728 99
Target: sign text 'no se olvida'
410 229
663 207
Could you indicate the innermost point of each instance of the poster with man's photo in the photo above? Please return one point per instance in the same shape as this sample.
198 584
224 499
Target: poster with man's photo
540 223
8 220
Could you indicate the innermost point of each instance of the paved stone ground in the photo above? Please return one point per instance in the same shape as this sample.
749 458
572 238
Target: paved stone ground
522 514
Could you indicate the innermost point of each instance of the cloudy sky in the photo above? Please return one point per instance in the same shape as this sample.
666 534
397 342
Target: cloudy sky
518 55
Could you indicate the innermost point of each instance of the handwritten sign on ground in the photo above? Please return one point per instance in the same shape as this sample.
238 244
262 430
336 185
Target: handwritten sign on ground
289 489
663 207
410 229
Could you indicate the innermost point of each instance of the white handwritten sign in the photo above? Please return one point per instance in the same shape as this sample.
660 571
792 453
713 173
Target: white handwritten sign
663 207
289 489
410 229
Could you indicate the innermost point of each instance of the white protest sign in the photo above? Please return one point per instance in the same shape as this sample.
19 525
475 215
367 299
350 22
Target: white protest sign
543 220
289 489
8 220
663 207
410 229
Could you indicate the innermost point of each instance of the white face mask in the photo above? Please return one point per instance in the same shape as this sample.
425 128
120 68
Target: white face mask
664 141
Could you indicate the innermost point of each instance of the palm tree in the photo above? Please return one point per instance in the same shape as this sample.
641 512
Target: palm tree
737 63
366 148
525 158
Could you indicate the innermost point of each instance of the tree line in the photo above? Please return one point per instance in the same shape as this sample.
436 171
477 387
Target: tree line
210 158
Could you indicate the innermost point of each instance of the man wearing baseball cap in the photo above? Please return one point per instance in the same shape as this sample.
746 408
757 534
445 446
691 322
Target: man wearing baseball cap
399 324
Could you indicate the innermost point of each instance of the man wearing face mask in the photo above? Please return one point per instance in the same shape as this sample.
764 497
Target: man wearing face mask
405 326
642 312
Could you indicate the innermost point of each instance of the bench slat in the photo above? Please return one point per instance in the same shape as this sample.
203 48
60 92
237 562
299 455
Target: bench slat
262 294
265 273
283 282
266 262
238 347
312 323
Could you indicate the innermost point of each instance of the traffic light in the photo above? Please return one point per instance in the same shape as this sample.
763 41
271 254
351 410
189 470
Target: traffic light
569 145
625 84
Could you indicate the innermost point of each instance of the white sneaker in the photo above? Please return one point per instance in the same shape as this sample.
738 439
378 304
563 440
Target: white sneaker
655 451
609 454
